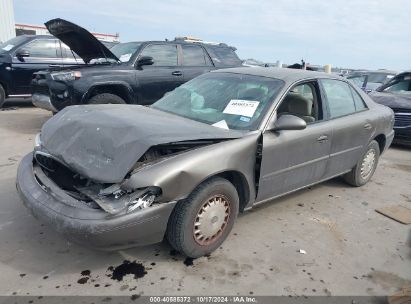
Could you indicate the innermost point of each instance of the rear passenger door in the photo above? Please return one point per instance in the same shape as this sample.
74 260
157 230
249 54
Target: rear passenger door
350 125
195 61
153 81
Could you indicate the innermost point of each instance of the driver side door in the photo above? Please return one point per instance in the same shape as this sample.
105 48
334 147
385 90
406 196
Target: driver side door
164 75
293 159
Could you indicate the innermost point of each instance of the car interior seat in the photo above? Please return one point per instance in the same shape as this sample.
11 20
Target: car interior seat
296 104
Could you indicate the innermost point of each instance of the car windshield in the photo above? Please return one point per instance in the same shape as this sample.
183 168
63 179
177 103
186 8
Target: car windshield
225 100
124 51
12 43
399 85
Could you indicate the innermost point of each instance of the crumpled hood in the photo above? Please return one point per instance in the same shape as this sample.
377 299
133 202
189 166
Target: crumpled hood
79 40
394 101
103 142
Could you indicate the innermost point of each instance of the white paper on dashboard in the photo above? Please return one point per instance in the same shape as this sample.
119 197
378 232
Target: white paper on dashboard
8 47
241 107
221 124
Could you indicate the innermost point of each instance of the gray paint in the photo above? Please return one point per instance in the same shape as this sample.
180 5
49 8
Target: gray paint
103 142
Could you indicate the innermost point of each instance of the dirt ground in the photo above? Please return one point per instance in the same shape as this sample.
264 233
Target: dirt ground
350 248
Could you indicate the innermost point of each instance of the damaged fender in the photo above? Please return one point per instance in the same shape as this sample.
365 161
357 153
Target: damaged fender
177 176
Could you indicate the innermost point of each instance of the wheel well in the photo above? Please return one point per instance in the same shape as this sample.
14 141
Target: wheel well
118 90
380 139
241 185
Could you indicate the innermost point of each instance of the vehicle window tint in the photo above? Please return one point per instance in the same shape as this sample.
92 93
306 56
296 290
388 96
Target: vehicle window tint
358 101
163 54
223 56
400 85
358 80
43 48
68 53
302 101
194 55
339 97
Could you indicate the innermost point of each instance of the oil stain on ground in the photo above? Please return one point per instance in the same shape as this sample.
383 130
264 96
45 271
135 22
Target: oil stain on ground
127 267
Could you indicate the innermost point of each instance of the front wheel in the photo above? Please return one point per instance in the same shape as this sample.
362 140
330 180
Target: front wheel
106 98
199 224
365 168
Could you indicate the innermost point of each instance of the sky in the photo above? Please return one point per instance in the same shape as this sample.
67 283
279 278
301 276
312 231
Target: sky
370 34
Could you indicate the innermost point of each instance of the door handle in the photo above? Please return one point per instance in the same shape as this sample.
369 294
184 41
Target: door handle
54 65
367 126
177 73
322 138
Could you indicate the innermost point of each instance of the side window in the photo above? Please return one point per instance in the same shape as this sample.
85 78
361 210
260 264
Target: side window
358 80
358 101
43 48
67 53
339 97
304 102
163 54
194 55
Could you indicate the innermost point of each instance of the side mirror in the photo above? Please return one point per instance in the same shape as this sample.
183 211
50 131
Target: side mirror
22 53
288 122
145 60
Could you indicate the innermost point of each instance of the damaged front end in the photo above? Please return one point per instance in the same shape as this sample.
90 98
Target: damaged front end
109 197
113 198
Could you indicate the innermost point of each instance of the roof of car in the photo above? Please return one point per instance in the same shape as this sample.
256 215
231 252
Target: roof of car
288 75
359 73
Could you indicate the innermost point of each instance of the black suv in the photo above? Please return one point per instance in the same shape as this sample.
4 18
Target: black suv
23 55
133 72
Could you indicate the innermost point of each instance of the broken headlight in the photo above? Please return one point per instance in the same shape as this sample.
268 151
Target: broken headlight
144 201
66 76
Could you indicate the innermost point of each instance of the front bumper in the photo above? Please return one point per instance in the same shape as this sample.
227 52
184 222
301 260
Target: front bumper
43 102
402 136
82 224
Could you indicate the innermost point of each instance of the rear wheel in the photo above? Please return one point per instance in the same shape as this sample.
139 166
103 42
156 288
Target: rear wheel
2 96
201 223
365 168
106 98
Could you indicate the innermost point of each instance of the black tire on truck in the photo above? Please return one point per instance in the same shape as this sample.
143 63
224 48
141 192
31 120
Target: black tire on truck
2 96
200 223
106 98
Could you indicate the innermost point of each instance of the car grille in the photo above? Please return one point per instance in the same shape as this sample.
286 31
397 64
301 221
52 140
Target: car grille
402 118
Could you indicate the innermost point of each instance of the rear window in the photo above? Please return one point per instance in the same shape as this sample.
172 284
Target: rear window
223 56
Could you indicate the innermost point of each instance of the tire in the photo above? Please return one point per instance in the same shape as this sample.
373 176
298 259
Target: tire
106 98
362 173
2 96
216 193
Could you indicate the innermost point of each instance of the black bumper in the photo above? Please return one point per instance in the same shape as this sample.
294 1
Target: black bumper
91 227
402 135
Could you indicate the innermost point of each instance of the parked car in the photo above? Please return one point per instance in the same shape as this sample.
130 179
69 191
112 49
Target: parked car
23 55
112 176
371 80
133 73
396 94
